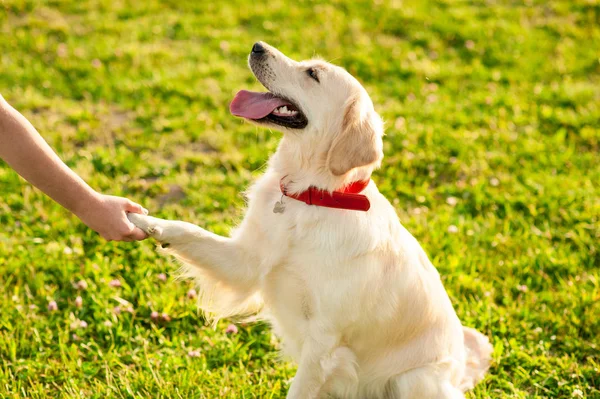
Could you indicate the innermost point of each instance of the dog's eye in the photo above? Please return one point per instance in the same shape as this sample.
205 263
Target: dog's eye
313 74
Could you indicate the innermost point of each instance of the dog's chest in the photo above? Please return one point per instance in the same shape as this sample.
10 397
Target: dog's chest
314 278
310 258
300 292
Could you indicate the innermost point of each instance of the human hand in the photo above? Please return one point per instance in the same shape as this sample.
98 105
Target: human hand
107 215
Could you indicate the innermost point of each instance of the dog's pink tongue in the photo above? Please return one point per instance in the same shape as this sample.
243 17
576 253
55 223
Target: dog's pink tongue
251 105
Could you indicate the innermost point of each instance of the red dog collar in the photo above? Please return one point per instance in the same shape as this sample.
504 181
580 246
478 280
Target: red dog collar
348 198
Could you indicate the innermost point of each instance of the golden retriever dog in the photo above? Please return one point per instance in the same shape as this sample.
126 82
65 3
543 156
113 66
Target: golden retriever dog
350 292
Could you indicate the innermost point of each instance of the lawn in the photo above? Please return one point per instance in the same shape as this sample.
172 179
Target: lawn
492 111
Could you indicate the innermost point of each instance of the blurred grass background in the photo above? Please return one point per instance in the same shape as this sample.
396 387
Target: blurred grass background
492 161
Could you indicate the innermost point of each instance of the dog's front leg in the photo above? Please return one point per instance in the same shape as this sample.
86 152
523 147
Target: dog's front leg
225 258
318 359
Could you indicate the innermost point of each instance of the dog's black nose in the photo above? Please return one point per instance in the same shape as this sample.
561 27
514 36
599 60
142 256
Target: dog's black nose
258 48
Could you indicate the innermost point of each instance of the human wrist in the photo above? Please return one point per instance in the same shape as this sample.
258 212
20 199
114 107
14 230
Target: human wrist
89 201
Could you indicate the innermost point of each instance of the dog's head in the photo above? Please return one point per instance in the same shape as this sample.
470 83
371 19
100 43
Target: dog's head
317 101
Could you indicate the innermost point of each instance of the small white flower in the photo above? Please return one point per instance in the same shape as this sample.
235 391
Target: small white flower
194 353
78 324
231 329
115 283
62 50
452 229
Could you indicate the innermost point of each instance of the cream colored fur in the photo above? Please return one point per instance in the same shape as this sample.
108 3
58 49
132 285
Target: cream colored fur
352 295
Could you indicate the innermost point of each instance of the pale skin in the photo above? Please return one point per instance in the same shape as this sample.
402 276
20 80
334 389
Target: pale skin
24 150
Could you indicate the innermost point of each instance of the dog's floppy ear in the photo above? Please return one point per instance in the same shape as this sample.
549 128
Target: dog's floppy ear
359 142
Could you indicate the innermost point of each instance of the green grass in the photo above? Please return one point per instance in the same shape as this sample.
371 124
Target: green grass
493 127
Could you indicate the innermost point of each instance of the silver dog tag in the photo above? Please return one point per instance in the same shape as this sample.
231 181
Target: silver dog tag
279 207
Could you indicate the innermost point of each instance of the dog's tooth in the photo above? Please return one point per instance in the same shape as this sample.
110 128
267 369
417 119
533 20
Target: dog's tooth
284 110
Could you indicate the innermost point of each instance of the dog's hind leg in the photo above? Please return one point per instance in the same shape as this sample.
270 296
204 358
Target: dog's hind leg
320 361
478 357
342 370
428 382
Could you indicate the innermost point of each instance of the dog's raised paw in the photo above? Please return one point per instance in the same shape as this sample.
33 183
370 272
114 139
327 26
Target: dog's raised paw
141 221
145 223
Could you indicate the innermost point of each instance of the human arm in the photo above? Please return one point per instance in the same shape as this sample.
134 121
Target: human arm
23 149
